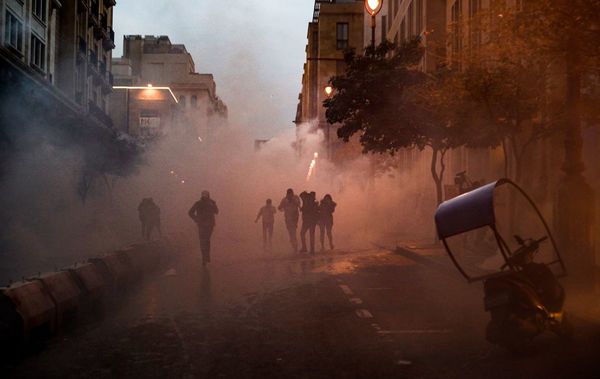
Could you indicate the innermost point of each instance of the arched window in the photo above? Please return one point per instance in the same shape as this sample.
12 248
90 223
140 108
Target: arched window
182 100
194 101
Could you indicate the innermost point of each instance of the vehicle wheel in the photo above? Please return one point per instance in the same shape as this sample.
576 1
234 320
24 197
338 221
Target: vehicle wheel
565 329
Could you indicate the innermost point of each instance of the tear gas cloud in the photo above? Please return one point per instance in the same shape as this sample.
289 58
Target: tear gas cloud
49 226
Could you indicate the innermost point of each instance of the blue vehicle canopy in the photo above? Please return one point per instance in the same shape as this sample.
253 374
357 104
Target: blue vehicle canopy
483 228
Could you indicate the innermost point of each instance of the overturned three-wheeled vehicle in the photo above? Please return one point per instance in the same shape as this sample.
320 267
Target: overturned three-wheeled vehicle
497 235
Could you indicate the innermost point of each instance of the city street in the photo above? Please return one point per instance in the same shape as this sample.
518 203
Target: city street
371 313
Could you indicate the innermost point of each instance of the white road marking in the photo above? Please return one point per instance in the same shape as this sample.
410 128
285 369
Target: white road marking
356 300
346 290
416 331
363 313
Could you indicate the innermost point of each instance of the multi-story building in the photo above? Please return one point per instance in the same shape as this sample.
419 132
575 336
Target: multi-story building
156 62
400 20
337 25
63 47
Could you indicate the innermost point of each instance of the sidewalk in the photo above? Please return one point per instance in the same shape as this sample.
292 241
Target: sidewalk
584 305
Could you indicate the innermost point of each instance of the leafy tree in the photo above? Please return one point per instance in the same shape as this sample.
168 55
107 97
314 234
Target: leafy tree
533 67
391 105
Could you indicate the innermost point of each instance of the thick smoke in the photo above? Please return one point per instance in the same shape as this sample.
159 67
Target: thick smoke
370 210
50 226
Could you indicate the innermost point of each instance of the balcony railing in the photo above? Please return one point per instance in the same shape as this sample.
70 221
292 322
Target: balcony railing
82 46
79 97
82 6
109 41
93 58
98 113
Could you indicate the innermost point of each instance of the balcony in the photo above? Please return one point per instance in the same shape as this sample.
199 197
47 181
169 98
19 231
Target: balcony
94 16
109 41
99 114
82 6
82 51
100 33
107 84
93 59
79 97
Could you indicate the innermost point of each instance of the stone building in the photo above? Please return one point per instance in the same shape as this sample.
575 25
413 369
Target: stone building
61 47
336 26
170 70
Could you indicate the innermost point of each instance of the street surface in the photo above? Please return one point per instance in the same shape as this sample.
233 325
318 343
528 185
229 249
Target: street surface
362 314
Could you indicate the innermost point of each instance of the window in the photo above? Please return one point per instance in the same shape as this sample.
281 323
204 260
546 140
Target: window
456 13
411 14
13 32
395 10
194 101
474 7
342 35
419 17
38 53
182 100
383 28
403 30
38 7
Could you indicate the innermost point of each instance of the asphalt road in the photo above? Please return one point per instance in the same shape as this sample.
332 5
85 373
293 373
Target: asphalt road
363 314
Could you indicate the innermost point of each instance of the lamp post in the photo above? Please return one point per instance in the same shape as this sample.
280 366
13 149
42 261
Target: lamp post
373 7
328 91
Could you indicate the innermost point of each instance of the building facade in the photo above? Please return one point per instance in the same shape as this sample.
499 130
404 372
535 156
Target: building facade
63 46
153 72
337 25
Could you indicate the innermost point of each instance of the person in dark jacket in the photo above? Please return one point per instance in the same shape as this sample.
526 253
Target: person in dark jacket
203 213
326 209
149 214
310 218
267 213
290 206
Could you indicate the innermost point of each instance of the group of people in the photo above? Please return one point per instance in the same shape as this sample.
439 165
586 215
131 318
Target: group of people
314 214
149 214
203 212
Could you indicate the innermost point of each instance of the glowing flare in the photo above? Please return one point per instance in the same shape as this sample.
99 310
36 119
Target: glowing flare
311 168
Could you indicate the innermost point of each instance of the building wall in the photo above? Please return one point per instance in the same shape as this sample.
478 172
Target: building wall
66 44
156 61
325 59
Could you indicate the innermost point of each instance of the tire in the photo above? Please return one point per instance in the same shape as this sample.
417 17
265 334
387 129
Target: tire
565 330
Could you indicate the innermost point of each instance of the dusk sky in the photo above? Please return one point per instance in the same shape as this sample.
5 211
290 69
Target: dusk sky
254 48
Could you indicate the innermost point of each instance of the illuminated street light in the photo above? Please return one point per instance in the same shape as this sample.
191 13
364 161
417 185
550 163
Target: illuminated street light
328 90
373 7
146 88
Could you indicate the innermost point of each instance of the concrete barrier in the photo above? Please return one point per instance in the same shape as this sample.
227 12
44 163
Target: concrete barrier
105 272
11 325
120 269
35 307
65 293
144 258
95 289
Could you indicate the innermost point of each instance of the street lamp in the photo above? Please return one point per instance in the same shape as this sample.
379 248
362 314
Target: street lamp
328 91
373 7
